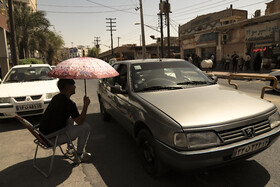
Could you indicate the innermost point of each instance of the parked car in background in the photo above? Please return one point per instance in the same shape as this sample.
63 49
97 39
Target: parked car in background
184 120
26 90
277 75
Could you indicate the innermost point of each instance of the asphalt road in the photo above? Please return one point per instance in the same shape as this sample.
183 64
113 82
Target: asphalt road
116 159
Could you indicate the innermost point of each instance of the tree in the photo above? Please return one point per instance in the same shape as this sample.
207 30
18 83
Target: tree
30 27
53 43
33 34
29 61
93 52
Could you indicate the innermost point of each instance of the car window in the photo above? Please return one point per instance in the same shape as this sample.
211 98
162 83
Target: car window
111 80
179 74
28 74
122 78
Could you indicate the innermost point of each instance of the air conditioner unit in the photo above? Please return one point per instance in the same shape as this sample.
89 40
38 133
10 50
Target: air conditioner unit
225 37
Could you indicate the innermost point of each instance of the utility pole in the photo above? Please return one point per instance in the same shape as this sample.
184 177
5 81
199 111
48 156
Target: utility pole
96 40
119 41
13 33
161 28
142 31
111 26
167 11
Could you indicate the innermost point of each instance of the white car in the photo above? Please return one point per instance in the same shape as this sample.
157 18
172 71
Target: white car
26 90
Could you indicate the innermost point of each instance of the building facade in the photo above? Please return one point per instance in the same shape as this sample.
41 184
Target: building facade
222 33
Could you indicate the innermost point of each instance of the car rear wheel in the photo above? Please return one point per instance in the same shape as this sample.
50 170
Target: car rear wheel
106 116
150 158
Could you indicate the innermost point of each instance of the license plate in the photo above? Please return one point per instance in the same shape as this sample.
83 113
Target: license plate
29 107
250 147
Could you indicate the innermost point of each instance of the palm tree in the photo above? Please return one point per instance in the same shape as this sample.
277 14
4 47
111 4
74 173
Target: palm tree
30 28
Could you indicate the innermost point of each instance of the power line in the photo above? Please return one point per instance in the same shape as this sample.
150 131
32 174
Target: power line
79 6
206 8
98 12
110 7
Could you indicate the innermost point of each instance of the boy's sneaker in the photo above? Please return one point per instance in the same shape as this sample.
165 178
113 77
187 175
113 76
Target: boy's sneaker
84 157
70 150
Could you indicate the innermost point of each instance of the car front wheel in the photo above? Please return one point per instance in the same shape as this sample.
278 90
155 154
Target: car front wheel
150 158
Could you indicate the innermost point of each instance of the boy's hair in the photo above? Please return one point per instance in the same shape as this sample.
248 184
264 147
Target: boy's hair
62 83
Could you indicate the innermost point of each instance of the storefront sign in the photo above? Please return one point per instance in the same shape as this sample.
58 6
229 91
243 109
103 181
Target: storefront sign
207 38
264 31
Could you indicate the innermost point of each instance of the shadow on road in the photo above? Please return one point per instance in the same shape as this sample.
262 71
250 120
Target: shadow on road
23 173
117 160
13 124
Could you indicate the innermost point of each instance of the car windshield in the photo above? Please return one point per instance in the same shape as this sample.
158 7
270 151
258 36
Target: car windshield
28 74
167 75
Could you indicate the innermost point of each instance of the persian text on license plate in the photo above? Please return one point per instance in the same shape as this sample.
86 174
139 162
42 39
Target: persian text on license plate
250 147
29 107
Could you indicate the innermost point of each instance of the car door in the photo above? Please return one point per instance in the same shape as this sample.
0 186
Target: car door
105 92
121 101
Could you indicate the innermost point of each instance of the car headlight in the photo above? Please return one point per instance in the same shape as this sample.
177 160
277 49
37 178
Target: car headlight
51 95
274 120
202 139
196 139
5 100
180 140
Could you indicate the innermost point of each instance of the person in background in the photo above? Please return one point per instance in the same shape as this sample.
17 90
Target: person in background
234 58
241 64
227 62
257 62
247 62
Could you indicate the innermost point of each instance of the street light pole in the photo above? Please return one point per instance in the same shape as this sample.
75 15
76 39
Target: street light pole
142 31
161 30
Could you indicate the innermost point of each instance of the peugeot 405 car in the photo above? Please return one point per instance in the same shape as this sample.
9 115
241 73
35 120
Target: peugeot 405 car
182 119
26 90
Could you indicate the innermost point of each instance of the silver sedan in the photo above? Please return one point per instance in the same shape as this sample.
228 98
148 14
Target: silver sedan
183 119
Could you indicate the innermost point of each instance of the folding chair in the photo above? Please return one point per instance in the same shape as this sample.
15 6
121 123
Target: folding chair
46 143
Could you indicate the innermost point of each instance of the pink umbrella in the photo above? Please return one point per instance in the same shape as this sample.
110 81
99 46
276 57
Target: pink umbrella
83 68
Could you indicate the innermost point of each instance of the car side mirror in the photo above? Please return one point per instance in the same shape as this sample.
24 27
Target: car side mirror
117 89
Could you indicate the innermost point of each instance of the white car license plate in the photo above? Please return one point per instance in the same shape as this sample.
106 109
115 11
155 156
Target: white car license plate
29 107
250 147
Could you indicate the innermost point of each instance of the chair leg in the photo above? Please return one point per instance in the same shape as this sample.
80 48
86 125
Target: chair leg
52 159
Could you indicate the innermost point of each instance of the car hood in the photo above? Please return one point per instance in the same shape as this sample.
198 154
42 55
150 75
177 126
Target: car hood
213 104
28 88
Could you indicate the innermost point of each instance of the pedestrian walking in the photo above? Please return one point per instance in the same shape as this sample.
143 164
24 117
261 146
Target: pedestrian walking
234 58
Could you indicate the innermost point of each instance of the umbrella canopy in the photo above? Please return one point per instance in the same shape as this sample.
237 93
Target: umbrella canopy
83 68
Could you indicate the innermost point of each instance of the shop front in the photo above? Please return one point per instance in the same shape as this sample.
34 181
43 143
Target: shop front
264 39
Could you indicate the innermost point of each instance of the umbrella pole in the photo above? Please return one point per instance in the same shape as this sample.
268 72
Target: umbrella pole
85 83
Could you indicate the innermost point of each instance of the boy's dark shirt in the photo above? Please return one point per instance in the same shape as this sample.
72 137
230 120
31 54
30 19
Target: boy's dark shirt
57 114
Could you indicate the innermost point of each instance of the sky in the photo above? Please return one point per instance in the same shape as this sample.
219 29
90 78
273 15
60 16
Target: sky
79 22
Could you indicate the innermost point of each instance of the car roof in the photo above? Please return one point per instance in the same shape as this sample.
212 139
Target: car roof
31 65
137 61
